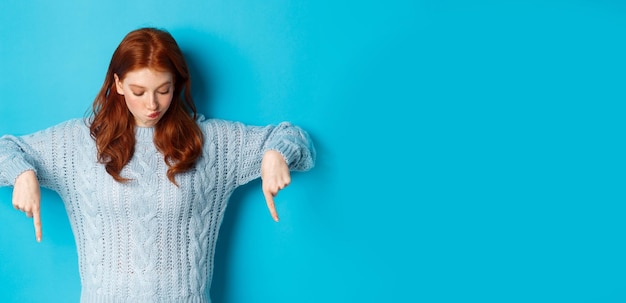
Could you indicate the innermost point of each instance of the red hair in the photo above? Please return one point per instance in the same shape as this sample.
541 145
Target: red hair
112 126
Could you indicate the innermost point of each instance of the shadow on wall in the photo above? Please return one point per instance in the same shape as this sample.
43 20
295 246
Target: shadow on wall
221 77
202 87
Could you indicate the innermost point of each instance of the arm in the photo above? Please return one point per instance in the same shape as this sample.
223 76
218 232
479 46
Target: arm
29 160
17 168
291 142
49 153
283 148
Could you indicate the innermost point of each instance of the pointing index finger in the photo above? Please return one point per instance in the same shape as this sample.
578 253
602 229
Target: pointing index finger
37 223
269 199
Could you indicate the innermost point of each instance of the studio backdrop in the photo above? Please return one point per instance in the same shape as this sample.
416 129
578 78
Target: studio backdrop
468 151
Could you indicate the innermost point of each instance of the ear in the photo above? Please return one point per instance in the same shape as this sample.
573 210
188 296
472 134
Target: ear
118 84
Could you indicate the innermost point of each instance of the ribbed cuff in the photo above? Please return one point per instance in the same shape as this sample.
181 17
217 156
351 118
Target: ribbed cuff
286 149
15 167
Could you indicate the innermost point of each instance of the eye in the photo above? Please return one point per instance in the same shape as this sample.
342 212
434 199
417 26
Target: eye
164 92
138 94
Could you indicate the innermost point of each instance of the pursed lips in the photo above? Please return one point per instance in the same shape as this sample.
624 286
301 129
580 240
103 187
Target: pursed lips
153 115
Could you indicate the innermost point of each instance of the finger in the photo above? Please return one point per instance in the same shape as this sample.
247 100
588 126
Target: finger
269 199
37 223
29 214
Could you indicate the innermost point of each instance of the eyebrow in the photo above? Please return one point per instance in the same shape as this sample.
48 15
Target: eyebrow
141 87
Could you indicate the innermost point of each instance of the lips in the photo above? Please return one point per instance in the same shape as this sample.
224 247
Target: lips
153 115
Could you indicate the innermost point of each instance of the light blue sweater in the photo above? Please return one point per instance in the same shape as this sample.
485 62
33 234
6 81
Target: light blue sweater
148 240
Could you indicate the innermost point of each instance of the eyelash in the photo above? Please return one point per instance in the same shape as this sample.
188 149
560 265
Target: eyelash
141 94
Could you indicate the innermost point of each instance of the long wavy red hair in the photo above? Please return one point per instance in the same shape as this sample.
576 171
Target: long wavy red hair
112 126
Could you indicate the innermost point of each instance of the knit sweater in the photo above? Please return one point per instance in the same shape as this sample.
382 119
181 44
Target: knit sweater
148 240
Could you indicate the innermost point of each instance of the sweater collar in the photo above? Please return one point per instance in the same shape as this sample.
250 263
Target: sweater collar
144 134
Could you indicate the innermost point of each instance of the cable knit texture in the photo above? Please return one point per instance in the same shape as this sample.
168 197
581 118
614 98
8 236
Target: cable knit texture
148 240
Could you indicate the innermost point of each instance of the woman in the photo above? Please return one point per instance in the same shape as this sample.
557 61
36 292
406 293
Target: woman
145 179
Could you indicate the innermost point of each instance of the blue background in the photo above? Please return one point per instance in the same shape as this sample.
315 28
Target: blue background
468 151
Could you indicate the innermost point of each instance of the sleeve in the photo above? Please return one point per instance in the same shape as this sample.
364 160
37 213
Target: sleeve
39 152
15 158
291 141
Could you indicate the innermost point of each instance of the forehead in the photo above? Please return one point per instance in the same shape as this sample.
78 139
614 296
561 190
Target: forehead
147 77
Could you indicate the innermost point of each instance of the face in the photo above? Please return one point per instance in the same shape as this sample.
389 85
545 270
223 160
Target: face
148 94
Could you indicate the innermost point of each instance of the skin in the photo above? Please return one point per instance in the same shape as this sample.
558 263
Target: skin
26 198
148 94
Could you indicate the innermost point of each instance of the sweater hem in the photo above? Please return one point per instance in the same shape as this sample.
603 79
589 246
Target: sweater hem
94 297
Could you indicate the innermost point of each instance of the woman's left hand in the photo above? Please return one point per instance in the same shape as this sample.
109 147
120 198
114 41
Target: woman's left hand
275 176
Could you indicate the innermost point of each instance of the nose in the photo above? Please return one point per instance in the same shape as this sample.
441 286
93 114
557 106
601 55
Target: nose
152 103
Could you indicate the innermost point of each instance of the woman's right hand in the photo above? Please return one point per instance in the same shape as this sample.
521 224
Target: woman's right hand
27 198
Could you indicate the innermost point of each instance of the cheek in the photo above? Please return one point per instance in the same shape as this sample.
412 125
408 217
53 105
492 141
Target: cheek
131 102
165 100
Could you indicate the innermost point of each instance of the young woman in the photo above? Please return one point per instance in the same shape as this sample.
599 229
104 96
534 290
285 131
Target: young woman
145 179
